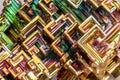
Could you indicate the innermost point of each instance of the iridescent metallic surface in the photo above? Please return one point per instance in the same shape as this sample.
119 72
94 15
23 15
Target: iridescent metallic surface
60 40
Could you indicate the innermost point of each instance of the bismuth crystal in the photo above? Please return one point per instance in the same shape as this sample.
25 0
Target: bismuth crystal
60 40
